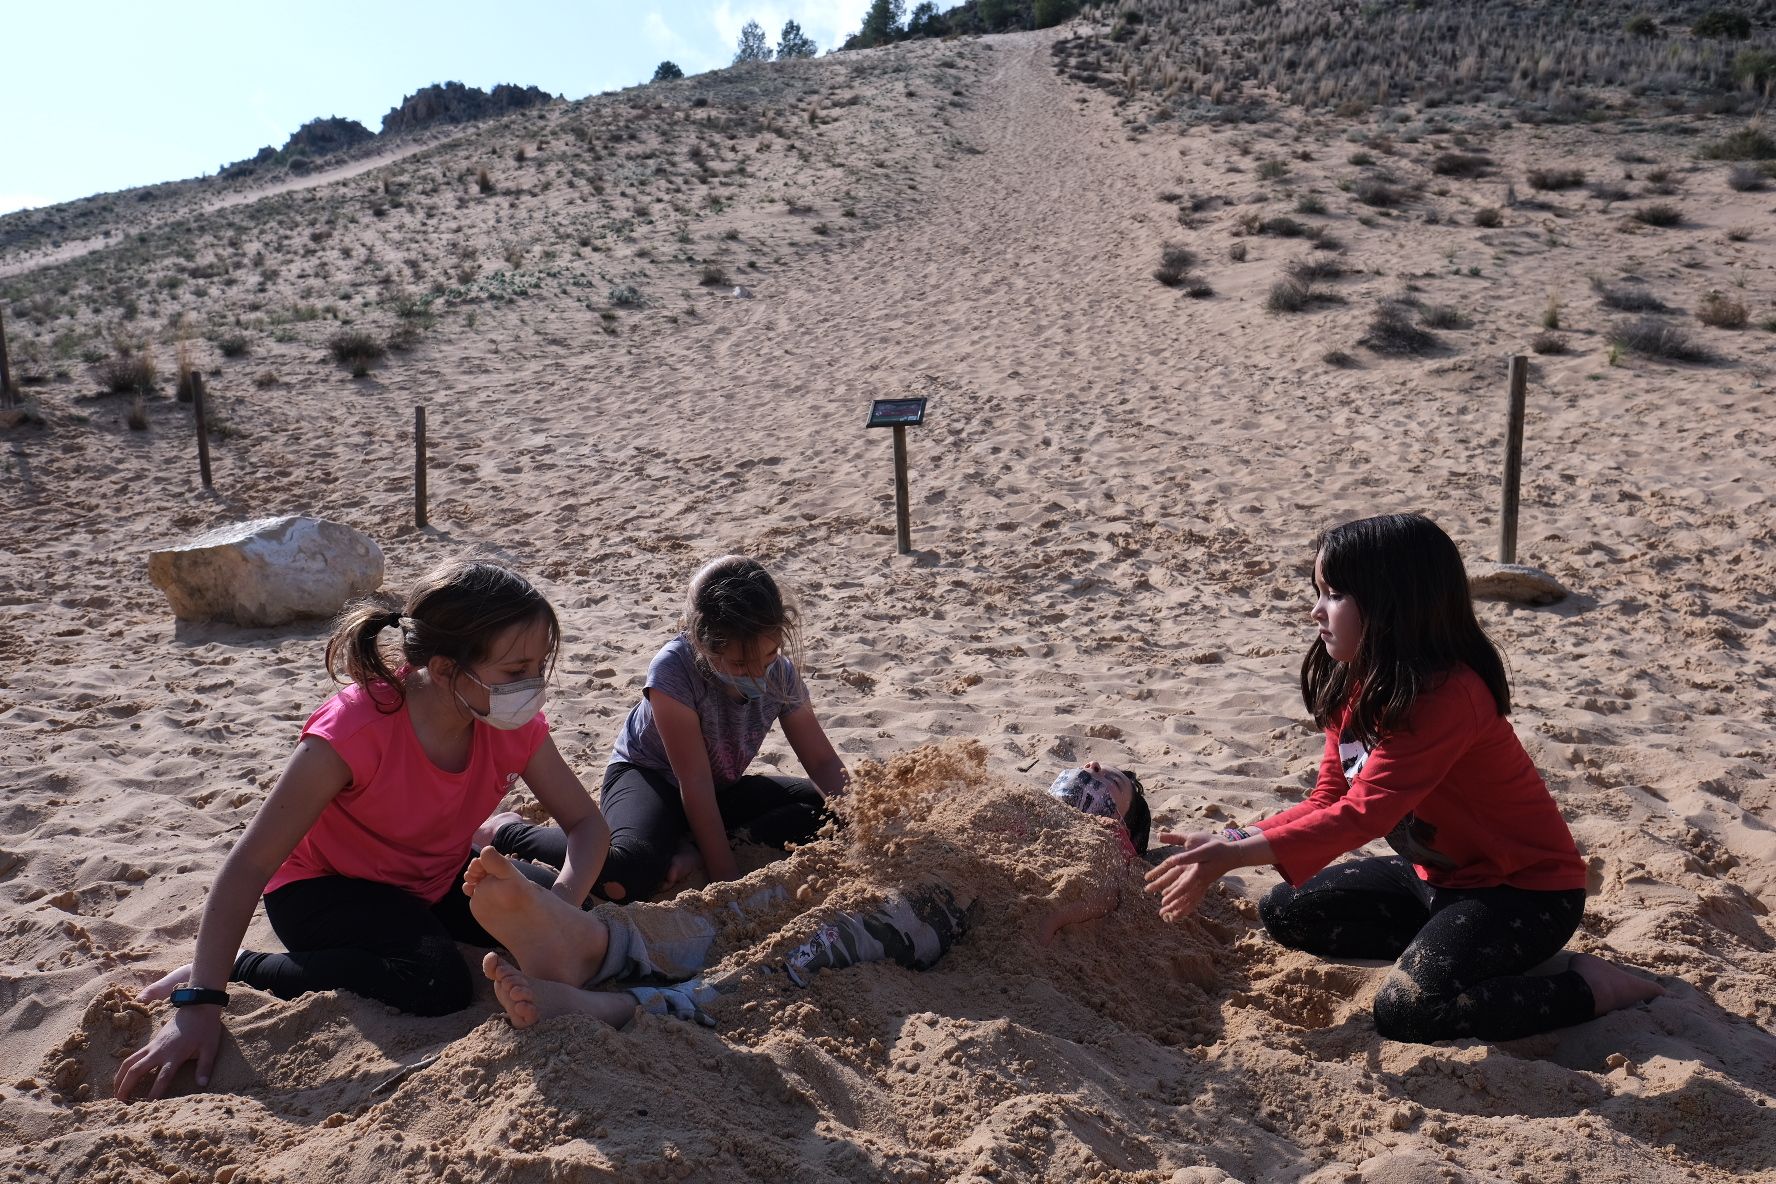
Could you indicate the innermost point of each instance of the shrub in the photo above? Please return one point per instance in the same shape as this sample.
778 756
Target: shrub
1556 179
1641 25
483 182
1391 331
1655 338
1608 191
1237 253
1198 289
1745 178
1722 22
1175 263
1273 170
1754 68
234 345
1548 342
1361 159
355 347
626 296
714 275
1310 271
138 414
1444 316
1310 203
1661 213
1372 191
127 373
1289 295
1551 314
1748 143
1283 227
1338 358
1626 297
1488 218
1721 311
1461 164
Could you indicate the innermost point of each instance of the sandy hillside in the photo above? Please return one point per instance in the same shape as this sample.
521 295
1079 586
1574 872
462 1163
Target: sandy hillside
1112 502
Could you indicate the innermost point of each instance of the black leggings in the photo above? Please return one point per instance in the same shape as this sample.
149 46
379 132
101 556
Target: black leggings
372 939
647 822
1461 952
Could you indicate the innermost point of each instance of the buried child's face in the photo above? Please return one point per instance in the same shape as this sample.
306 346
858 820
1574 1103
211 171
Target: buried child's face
1094 789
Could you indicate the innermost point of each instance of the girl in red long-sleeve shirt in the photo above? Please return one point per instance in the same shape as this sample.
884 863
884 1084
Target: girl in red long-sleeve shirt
1487 882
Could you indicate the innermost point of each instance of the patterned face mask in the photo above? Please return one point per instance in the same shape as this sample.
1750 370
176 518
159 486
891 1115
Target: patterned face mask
1086 791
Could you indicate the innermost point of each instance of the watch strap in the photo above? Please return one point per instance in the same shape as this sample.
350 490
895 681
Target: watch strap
186 996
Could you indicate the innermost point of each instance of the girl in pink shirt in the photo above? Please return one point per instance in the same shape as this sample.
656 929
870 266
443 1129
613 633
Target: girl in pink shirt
362 843
1486 882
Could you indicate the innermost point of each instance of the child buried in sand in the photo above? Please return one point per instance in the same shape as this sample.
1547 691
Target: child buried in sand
362 841
1487 883
676 789
561 951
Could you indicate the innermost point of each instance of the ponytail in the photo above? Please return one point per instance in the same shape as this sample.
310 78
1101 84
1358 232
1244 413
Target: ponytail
454 612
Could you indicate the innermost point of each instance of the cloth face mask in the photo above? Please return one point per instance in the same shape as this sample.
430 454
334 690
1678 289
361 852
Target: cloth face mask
1086 791
510 705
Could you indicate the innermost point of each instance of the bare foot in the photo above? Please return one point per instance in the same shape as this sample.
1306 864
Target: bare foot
160 988
1611 986
550 938
527 1000
1053 921
485 832
686 863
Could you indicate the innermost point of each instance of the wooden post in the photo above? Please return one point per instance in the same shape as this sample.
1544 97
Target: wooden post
6 394
203 428
419 468
903 524
1507 552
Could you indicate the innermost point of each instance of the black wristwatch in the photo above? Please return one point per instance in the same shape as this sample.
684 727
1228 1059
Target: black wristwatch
186 996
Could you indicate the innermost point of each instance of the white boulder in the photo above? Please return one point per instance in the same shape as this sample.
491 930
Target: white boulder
1514 582
267 572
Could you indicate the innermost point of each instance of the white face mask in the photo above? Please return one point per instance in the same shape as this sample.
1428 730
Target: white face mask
510 705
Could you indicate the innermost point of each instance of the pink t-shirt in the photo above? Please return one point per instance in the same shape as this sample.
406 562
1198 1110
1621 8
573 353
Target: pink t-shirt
402 820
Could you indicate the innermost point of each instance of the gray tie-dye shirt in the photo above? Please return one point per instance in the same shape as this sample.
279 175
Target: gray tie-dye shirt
733 731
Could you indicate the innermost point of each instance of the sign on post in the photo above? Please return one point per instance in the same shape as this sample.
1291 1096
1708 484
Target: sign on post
899 414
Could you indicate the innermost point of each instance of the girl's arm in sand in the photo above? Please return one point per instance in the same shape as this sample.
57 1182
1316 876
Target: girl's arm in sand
1184 878
315 776
815 751
682 733
565 798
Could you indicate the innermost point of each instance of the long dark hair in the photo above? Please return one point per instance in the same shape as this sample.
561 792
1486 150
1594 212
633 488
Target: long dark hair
733 602
454 611
1409 584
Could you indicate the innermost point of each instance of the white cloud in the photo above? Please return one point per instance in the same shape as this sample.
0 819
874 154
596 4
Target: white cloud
13 202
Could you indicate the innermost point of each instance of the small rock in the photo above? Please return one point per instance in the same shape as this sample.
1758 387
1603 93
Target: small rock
742 293
1514 582
268 572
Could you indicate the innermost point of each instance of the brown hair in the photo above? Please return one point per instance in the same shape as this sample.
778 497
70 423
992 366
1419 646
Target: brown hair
733 601
454 611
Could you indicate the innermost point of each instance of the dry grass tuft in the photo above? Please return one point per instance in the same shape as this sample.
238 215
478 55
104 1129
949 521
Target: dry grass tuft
1391 331
1655 338
1721 311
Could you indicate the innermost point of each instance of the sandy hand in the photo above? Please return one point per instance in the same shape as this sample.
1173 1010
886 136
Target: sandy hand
162 988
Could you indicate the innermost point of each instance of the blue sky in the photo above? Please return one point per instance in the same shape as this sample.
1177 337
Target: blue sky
98 96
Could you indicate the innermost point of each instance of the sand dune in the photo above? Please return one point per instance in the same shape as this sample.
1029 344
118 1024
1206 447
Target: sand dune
1112 500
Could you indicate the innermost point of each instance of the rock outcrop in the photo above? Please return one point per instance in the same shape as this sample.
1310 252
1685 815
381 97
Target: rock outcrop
1514 582
268 572
452 102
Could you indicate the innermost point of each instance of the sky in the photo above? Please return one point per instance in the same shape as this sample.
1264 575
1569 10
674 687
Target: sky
99 95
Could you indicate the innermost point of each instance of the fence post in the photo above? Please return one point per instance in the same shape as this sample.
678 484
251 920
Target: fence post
6 391
903 527
203 428
1507 551
419 468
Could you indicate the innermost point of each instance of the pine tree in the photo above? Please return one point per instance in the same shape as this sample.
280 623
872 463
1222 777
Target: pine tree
794 43
753 45
667 71
882 23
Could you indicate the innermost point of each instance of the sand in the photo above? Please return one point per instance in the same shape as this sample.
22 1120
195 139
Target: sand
1112 501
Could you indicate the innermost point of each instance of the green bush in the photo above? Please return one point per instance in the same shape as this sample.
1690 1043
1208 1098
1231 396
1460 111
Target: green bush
1641 25
1748 143
1052 12
1754 68
1722 22
356 348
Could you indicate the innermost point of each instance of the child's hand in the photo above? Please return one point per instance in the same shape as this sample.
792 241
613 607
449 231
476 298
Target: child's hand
1053 921
1184 878
193 1034
1189 840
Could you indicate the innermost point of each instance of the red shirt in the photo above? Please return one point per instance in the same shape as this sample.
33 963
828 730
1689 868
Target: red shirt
1453 791
403 820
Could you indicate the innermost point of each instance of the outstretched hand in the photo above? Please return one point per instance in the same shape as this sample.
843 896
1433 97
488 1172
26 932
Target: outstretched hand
1183 878
194 1033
